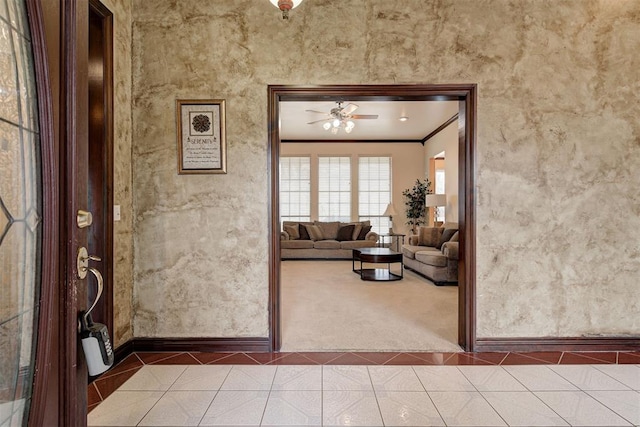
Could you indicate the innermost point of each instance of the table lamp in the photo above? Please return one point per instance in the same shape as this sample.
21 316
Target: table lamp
390 212
433 201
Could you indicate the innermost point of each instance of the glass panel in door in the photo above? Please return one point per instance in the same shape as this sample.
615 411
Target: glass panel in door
20 214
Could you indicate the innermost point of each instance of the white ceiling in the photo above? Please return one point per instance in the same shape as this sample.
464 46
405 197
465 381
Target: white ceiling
424 118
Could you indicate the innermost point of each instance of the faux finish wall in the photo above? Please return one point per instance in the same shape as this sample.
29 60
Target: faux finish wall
558 211
123 229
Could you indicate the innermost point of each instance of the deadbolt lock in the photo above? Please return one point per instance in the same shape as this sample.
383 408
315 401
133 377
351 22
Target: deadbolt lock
84 219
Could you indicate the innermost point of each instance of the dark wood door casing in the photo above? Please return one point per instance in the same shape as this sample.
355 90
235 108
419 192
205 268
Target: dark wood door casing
101 155
466 95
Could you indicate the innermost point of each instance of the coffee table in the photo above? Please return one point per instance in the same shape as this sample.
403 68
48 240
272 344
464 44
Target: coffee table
377 256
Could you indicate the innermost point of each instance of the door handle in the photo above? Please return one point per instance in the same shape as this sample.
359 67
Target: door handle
100 281
82 262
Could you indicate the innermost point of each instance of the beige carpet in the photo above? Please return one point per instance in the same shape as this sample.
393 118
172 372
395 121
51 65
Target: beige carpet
326 307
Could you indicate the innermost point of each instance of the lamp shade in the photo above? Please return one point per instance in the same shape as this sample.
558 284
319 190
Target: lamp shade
390 211
435 200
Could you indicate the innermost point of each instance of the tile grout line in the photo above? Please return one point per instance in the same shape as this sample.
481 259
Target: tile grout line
215 395
322 395
532 393
375 395
163 395
607 406
413 368
98 391
266 403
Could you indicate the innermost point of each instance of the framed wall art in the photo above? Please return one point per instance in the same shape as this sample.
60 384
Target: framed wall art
201 136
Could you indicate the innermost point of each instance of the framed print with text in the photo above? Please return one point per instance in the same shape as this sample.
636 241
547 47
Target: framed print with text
201 136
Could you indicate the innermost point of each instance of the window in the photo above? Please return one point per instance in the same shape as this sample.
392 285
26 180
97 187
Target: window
295 189
374 192
334 189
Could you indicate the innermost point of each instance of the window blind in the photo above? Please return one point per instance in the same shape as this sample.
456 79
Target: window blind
334 189
295 188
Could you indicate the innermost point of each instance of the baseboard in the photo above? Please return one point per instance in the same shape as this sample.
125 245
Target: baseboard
202 344
558 344
211 345
122 351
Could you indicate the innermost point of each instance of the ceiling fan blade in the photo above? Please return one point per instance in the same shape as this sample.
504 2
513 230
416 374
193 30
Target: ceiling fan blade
318 121
349 108
364 116
315 111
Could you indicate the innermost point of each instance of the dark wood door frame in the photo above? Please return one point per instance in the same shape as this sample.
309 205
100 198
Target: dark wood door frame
101 154
466 95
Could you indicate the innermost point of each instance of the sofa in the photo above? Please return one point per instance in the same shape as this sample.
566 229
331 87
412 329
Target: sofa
433 253
325 240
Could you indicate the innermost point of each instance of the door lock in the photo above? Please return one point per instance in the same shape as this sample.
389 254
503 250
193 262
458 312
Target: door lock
84 219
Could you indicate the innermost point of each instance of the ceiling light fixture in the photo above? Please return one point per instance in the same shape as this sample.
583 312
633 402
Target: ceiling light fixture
341 118
339 123
403 118
285 6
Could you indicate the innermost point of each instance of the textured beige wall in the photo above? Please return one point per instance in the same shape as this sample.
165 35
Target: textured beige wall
558 150
123 230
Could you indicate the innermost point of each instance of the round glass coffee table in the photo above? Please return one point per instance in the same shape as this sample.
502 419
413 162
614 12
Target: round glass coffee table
377 256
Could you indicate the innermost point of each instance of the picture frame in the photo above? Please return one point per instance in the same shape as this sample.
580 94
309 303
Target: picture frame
202 142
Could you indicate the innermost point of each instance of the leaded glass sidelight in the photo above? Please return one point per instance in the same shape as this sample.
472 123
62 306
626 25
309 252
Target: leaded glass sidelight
20 213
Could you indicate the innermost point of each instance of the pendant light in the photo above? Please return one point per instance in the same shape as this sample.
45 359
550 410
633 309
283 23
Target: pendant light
285 6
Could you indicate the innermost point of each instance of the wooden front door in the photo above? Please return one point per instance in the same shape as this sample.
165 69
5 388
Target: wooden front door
60 34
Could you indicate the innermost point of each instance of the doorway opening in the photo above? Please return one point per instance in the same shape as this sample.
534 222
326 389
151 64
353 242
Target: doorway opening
465 96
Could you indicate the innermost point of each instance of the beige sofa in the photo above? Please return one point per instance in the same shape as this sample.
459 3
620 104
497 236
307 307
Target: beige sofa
433 253
324 240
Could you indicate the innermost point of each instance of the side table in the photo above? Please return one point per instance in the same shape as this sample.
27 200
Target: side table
399 240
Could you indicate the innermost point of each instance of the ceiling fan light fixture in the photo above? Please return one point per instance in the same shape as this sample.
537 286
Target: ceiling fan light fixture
326 126
350 125
334 130
336 123
285 6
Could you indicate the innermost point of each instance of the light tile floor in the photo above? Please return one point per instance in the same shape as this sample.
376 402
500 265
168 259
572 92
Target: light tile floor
345 395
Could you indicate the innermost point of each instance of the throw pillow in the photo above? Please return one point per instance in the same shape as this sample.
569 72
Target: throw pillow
455 237
447 234
429 236
364 231
345 233
356 231
314 232
292 231
329 229
304 235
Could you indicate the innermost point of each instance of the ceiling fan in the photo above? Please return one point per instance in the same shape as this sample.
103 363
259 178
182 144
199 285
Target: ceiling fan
341 117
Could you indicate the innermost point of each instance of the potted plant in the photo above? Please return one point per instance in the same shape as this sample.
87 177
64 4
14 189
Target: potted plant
414 201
